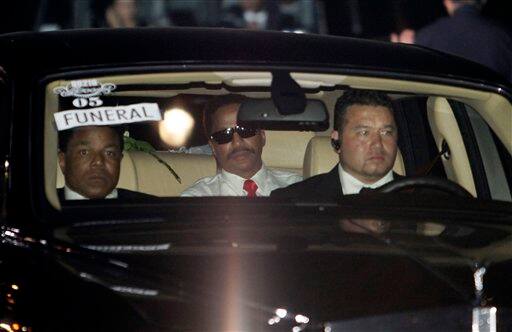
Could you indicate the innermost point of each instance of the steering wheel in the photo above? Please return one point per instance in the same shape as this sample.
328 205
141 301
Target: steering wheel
429 182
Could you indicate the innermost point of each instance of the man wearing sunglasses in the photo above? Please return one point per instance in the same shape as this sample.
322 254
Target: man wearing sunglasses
238 151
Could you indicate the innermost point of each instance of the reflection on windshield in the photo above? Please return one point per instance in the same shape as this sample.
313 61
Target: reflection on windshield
378 261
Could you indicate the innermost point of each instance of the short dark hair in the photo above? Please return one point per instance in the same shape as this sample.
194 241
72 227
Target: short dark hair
358 97
66 135
213 104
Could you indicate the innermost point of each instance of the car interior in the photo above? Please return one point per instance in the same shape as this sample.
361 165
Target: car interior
446 131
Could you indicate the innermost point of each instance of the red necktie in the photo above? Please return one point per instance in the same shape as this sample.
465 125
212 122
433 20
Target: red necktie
250 186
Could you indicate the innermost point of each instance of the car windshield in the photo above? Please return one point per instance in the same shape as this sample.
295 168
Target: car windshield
176 140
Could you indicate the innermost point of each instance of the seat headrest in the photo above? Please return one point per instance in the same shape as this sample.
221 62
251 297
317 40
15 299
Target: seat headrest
285 149
445 128
154 177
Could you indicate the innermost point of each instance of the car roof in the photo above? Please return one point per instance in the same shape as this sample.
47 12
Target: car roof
106 47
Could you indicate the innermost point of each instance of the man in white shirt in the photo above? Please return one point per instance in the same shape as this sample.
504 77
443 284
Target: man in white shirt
365 138
238 151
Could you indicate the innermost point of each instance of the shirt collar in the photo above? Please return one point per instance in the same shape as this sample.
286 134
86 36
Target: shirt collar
351 185
71 195
238 181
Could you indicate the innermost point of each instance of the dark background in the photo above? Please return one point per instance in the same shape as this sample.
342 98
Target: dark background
357 18
379 18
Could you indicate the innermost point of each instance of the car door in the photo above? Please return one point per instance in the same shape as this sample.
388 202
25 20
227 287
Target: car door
4 139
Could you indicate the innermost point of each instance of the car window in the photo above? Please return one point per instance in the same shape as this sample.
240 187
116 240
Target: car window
491 176
160 117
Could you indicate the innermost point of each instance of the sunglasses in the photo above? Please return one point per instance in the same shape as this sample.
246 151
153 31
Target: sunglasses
226 135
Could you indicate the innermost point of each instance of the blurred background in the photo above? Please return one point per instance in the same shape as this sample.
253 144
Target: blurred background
478 30
374 19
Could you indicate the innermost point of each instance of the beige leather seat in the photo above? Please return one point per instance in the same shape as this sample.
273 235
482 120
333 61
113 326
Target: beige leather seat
154 178
445 128
320 157
142 172
285 150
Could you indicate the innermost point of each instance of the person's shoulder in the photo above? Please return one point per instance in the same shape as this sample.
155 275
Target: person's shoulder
130 194
199 188
300 188
286 176
279 172
433 30
60 194
397 176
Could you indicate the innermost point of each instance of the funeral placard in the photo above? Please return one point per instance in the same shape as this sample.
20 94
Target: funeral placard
104 116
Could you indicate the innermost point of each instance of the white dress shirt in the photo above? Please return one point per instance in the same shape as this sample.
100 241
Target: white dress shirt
350 185
228 184
73 195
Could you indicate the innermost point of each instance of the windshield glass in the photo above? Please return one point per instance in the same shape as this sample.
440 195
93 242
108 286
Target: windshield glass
279 263
203 134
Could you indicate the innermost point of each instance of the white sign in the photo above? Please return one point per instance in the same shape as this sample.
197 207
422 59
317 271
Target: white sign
102 116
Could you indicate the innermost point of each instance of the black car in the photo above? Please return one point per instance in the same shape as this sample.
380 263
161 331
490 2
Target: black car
430 251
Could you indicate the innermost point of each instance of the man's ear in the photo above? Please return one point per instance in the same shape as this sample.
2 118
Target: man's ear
210 143
263 138
62 162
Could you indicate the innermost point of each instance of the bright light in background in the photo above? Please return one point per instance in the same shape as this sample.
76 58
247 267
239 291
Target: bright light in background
176 127
301 319
5 327
281 313
274 320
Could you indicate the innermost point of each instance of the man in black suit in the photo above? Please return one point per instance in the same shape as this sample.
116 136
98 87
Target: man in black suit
466 33
90 159
365 137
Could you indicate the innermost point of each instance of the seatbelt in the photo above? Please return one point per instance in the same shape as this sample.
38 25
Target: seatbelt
426 169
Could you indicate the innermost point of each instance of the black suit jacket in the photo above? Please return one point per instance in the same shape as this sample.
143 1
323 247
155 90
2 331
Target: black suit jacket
469 35
322 187
123 194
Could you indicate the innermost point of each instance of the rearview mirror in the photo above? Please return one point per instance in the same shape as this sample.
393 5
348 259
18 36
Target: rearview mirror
263 114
